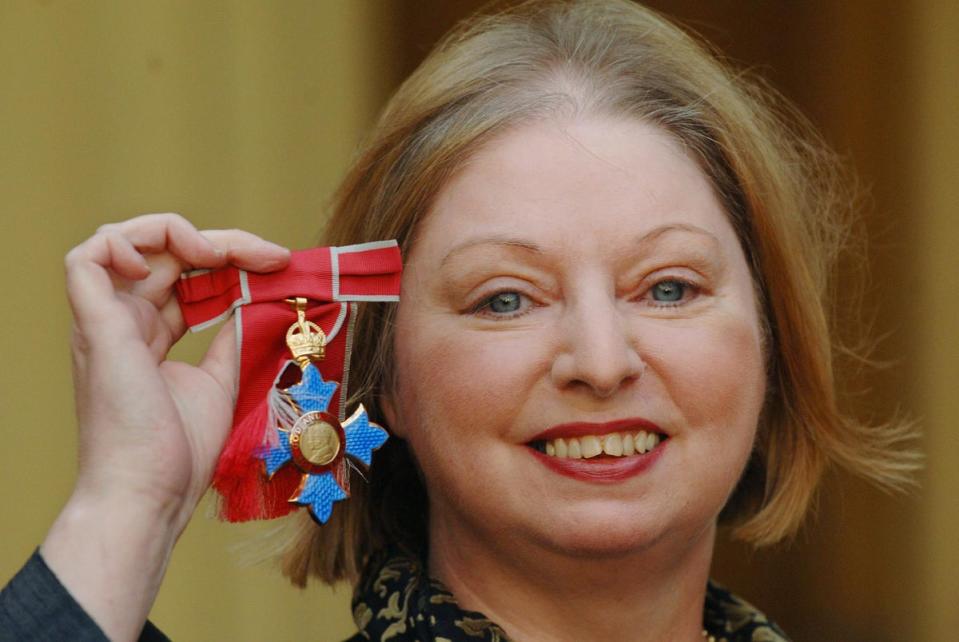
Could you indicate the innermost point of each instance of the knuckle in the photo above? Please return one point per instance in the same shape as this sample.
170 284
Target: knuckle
110 240
71 258
173 219
107 235
78 255
157 220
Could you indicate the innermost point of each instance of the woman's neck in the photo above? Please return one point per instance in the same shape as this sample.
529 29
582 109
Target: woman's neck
536 594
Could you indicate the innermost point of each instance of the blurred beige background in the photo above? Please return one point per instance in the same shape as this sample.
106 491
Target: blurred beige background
245 114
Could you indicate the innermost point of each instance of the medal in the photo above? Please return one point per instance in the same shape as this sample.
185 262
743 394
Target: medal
316 443
292 444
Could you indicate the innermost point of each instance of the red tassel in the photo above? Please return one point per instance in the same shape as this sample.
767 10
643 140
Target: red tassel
282 486
239 476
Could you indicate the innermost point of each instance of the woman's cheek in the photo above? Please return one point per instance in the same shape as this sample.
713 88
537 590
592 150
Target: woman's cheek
456 380
489 369
714 372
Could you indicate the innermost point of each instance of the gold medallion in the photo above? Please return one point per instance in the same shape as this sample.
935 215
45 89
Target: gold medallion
316 440
319 443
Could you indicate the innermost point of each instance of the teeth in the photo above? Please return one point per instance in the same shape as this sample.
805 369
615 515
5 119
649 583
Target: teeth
652 441
628 447
590 446
639 439
613 444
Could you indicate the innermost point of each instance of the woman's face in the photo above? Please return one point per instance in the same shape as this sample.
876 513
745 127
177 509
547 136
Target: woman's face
577 288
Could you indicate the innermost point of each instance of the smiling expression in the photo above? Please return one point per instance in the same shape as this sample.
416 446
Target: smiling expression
578 347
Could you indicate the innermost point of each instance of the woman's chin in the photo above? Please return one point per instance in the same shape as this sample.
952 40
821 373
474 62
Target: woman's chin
602 534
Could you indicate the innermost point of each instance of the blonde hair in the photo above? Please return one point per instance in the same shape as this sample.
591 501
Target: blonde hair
781 188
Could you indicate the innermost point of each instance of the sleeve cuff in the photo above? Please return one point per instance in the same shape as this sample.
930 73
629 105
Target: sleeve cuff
36 607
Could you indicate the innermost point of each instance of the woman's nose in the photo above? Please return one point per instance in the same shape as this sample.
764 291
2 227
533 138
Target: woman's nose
599 352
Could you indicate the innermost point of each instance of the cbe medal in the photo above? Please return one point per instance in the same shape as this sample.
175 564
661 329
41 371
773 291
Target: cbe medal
316 443
290 416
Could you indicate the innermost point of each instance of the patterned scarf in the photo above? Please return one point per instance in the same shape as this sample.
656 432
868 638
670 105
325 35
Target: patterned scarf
397 601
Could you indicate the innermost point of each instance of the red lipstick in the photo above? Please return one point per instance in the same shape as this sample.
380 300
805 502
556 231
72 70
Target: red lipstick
601 469
581 429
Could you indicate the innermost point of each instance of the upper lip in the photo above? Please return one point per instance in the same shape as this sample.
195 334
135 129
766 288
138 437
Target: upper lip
583 428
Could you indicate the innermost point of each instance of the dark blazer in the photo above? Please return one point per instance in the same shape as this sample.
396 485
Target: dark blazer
36 607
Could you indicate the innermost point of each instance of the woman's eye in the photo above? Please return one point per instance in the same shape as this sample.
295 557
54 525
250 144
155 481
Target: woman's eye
504 302
669 291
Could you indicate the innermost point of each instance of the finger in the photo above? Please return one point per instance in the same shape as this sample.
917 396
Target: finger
248 251
165 270
156 233
172 318
242 249
108 261
220 360
124 259
89 269
110 250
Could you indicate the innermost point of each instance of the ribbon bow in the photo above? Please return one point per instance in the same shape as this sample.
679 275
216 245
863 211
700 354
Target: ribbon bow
331 280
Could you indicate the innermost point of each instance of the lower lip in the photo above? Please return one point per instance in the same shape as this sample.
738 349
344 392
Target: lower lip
602 470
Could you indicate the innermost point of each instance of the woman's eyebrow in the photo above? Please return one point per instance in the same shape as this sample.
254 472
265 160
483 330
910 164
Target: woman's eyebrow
494 239
647 238
653 235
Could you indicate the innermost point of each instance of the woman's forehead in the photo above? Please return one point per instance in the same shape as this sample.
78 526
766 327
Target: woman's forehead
601 182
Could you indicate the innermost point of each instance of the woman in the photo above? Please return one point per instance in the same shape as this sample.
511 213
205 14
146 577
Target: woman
612 334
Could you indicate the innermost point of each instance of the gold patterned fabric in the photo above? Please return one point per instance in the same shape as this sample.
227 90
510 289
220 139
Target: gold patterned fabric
397 601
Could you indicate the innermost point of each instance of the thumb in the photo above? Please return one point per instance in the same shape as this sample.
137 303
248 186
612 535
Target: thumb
221 360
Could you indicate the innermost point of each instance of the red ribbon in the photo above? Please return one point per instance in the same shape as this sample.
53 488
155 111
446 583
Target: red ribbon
332 279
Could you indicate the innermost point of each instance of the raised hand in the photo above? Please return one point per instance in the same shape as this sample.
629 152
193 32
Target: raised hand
150 430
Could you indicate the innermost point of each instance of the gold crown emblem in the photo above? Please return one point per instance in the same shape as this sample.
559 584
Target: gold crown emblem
305 339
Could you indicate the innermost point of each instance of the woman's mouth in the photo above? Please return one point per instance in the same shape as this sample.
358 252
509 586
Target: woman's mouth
615 444
604 453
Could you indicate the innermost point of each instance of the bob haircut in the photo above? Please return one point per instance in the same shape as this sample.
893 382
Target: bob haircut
779 185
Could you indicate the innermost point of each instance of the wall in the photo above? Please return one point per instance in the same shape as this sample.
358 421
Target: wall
236 114
245 113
